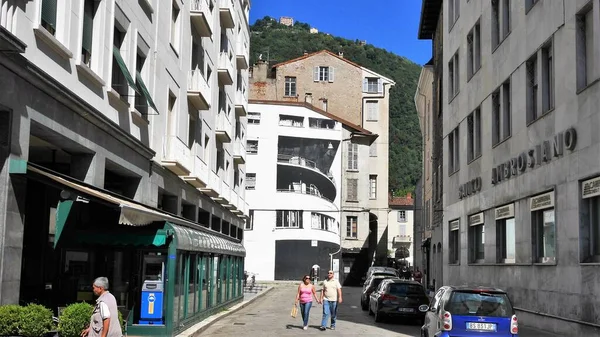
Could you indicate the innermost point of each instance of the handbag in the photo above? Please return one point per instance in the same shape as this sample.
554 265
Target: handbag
294 311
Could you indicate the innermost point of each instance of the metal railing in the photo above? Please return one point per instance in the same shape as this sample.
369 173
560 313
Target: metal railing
297 160
306 190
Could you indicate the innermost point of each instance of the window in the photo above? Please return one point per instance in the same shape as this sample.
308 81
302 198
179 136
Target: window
192 117
529 5
250 181
49 15
501 113
505 234
454 12
590 218
453 146
289 219
290 86
352 227
89 11
322 222
543 227
175 26
547 78
236 177
474 50
474 133
352 156
253 117
373 150
252 146
454 246
500 21
249 225
372 187
585 36
401 216
323 74
532 89
477 238
372 108
324 104
453 77
373 85
352 189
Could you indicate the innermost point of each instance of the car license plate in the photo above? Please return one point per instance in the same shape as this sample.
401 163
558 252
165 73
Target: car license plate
481 326
406 309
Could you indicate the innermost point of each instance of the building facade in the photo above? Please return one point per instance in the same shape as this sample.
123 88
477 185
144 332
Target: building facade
361 97
423 103
123 132
521 150
431 27
401 219
294 187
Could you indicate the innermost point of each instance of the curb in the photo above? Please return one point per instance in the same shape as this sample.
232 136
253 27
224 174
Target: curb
198 328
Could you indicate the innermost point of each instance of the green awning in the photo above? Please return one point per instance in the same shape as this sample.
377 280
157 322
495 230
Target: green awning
201 240
144 90
62 213
158 239
123 67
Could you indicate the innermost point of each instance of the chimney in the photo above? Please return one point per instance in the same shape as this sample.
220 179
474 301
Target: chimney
260 71
409 195
341 54
305 53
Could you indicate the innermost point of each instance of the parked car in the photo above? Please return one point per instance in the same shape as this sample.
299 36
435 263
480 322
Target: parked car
380 270
470 311
369 286
400 299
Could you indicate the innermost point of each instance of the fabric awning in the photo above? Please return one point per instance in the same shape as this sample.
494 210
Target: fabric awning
124 70
145 93
158 238
201 240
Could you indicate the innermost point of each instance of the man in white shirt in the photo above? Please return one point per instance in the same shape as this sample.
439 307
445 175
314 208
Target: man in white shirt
331 295
105 317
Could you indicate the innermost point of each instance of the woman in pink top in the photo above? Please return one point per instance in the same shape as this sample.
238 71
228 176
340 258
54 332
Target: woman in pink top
305 294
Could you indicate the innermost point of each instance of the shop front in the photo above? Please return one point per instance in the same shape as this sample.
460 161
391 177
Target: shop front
166 272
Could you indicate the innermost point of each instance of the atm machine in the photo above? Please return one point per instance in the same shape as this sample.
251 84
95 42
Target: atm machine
153 271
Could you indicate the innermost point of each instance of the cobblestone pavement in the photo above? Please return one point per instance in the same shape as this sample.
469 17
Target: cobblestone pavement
270 316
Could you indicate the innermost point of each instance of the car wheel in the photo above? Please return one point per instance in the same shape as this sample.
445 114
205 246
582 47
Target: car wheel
378 316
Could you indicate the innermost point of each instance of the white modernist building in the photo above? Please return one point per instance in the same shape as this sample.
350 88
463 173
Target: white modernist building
293 185
401 246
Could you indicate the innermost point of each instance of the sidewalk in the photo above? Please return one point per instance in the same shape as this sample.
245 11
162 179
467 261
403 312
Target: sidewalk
525 331
198 328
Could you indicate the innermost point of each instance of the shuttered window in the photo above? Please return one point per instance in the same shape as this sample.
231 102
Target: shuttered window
323 74
49 15
352 189
87 33
352 156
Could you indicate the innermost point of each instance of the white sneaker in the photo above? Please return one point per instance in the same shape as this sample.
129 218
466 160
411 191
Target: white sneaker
305 328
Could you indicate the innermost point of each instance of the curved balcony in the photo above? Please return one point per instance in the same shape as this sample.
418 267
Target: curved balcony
286 199
308 191
294 168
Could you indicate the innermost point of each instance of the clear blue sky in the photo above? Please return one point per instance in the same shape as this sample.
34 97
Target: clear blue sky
388 24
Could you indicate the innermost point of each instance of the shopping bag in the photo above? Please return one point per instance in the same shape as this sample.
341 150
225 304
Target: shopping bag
294 311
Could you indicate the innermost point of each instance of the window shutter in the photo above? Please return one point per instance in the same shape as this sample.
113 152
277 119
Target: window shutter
316 74
88 25
365 85
331 74
49 13
379 86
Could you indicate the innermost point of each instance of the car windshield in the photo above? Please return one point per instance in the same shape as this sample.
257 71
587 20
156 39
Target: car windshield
405 289
472 303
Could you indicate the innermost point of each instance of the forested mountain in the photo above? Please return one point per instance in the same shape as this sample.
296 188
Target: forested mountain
278 43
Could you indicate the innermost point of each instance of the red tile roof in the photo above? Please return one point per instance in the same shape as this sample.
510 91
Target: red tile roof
307 105
401 201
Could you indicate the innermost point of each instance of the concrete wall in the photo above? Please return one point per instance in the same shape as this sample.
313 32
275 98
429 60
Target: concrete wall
562 288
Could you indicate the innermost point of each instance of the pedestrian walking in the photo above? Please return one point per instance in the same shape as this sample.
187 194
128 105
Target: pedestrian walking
105 317
306 291
417 275
331 296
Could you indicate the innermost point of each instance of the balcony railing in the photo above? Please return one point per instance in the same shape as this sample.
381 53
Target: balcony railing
307 191
226 14
198 90
401 239
241 55
201 17
223 128
225 67
199 175
239 151
296 160
176 156
241 103
213 188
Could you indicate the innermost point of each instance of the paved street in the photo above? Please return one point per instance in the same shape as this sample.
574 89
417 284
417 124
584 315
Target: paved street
270 316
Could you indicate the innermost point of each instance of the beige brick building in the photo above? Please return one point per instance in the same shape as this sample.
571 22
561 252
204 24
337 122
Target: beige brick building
344 89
